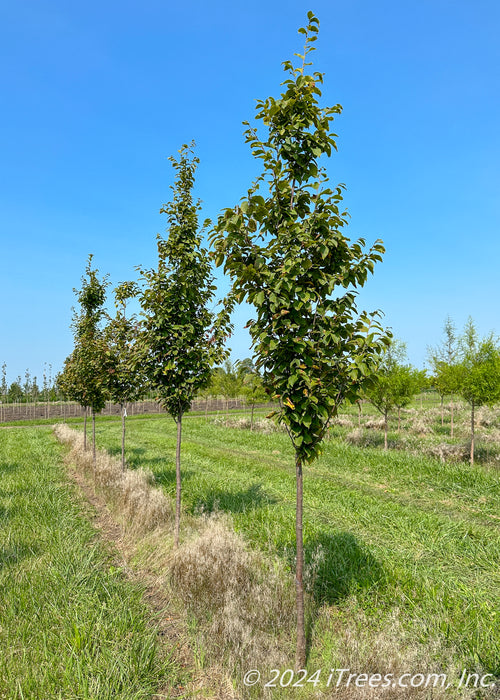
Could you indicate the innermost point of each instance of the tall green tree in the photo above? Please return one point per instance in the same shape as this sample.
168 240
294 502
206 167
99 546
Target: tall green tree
85 374
284 247
72 384
181 338
124 377
479 371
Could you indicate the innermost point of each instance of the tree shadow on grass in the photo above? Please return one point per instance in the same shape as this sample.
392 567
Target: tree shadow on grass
9 556
336 567
4 512
167 476
8 467
136 458
233 501
133 455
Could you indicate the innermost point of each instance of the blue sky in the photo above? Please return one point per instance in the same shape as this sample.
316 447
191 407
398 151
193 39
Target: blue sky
97 95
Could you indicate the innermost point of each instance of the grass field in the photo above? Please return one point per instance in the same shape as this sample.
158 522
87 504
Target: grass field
71 625
402 553
385 533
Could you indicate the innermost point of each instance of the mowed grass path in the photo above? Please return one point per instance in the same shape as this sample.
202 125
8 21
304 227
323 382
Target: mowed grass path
392 530
71 626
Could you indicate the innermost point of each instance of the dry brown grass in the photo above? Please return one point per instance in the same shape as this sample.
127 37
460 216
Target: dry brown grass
129 493
245 603
420 425
447 452
486 417
342 421
361 438
375 423
241 600
261 425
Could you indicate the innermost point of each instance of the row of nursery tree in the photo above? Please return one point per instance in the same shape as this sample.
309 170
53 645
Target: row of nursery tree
284 248
239 380
464 366
28 390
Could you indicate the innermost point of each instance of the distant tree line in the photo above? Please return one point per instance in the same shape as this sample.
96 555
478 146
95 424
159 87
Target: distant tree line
30 389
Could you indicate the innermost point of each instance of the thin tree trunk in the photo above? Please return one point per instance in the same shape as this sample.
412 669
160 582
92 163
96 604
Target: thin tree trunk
359 414
251 419
300 657
442 411
178 482
452 418
85 429
399 418
472 434
385 430
93 436
122 406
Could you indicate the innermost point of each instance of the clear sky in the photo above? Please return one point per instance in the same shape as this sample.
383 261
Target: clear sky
96 95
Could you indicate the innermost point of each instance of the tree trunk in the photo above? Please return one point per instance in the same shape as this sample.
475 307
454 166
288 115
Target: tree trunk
178 482
399 418
300 657
123 436
442 409
451 434
359 414
385 430
251 419
472 434
93 435
85 429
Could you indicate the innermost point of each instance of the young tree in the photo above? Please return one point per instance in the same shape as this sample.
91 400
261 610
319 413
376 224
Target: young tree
15 392
228 382
72 385
35 390
286 253
395 383
27 386
3 389
253 389
409 381
479 370
85 374
124 377
181 338
4 386
444 363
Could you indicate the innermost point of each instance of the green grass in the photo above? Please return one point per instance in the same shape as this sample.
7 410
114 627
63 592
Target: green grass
71 625
393 530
